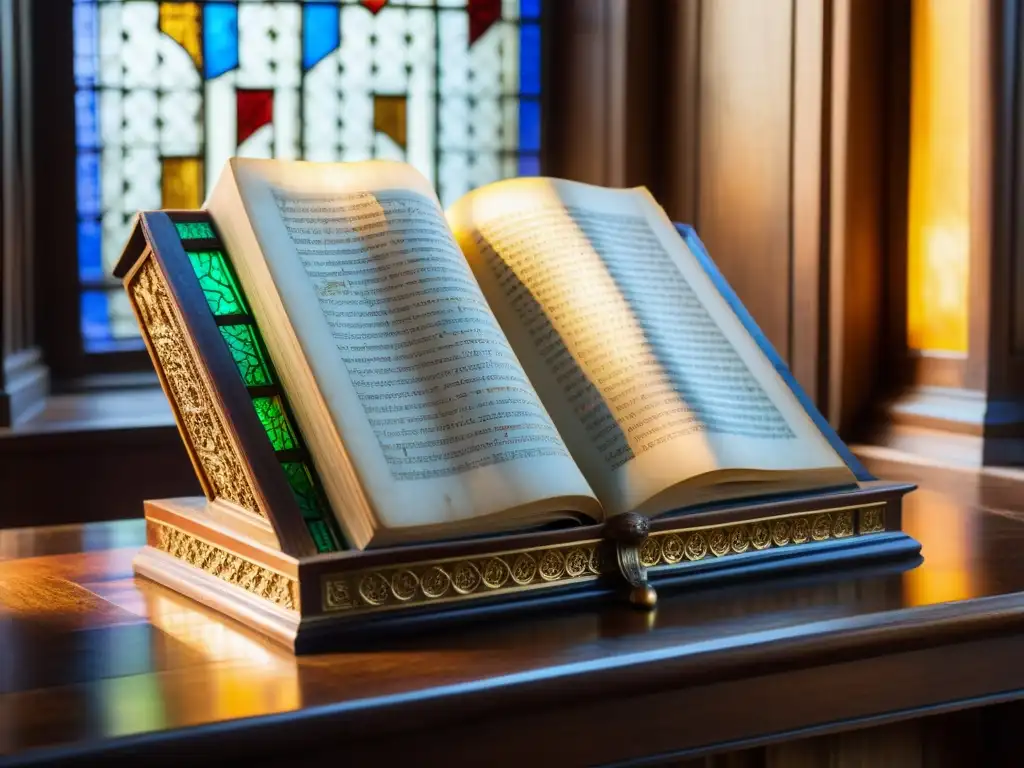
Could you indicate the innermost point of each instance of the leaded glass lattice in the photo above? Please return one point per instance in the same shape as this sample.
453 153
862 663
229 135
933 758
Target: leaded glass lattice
218 285
275 422
166 92
302 487
194 230
247 354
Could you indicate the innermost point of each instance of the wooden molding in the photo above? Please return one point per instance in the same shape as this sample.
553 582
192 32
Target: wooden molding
24 379
24 384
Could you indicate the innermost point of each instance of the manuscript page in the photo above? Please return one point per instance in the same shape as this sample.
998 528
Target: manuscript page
659 391
397 364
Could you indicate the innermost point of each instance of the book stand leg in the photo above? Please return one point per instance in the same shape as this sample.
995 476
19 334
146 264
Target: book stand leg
629 532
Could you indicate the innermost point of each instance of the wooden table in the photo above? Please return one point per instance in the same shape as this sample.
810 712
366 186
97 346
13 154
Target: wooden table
96 664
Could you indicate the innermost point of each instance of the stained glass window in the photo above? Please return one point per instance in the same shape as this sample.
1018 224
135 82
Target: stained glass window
167 91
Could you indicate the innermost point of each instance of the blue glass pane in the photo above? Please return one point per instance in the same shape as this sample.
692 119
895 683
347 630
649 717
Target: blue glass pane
529 125
102 346
88 180
86 30
95 317
86 124
220 38
90 262
529 165
320 32
529 59
529 9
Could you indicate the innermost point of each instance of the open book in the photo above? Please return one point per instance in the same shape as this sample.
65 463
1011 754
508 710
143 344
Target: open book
546 350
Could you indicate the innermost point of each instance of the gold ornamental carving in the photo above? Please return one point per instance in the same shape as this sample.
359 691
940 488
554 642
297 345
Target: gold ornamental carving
842 524
671 548
190 393
739 539
434 582
650 552
551 566
460 578
821 527
728 540
696 546
718 542
576 563
801 531
264 583
404 585
374 589
495 573
469 578
524 568
760 535
782 532
871 520
466 578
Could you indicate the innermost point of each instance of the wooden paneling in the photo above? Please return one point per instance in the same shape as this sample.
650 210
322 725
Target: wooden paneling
776 148
744 153
23 378
577 102
997 150
811 60
856 258
743 187
600 89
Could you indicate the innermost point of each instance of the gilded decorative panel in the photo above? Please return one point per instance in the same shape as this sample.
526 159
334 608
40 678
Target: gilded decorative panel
462 578
212 445
457 579
670 548
872 520
269 585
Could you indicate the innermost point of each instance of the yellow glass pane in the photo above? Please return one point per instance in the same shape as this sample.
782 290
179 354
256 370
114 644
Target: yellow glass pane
389 117
939 212
182 182
180 21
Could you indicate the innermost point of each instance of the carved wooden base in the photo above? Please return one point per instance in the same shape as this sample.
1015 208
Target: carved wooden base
222 559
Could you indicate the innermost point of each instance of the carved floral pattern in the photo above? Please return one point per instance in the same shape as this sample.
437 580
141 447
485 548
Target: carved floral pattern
264 583
198 416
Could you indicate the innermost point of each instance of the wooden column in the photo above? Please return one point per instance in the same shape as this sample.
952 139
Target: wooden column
743 155
601 91
23 376
774 146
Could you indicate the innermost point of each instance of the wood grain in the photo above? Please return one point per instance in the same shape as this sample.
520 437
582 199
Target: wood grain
100 666
744 177
56 600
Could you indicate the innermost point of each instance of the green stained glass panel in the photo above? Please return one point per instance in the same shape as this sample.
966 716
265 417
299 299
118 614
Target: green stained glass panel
275 422
194 230
248 354
302 487
321 534
218 283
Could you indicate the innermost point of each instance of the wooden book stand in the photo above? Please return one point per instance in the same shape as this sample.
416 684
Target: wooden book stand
263 547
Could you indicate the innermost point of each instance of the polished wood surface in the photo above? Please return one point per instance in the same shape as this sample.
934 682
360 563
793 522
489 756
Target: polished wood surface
95 661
